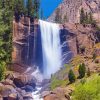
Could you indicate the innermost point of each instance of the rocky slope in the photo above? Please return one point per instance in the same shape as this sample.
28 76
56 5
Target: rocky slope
71 9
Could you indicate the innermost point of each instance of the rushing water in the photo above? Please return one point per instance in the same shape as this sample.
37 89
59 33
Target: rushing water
51 51
51 48
36 95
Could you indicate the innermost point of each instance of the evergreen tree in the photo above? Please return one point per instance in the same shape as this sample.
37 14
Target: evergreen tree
19 6
36 8
90 18
65 19
30 9
58 16
88 72
71 76
6 17
82 70
86 18
82 16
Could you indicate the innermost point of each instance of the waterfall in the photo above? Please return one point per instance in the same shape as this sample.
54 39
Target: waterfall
51 48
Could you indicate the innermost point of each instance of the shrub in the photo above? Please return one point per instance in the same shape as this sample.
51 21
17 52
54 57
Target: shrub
71 76
2 70
88 72
90 90
97 61
82 70
94 56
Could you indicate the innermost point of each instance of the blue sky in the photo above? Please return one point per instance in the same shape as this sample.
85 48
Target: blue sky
49 6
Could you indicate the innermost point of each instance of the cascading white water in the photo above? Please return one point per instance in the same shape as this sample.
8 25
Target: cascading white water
51 48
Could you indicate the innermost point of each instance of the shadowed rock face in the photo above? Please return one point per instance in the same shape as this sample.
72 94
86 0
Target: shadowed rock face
25 41
71 9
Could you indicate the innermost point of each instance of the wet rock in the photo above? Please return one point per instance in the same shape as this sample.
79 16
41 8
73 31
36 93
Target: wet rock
12 96
28 97
28 88
18 82
32 83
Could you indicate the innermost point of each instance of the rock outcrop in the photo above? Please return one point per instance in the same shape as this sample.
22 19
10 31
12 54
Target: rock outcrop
24 36
71 10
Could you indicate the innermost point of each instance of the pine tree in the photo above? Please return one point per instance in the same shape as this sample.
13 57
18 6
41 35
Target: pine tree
65 19
90 18
58 16
82 70
36 8
71 76
82 16
88 72
30 9
86 18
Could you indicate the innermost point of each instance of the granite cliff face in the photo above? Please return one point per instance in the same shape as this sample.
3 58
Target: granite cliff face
71 9
24 37
27 49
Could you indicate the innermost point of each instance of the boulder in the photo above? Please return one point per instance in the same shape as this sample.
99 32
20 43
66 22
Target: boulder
12 96
18 82
57 94
28 96
8 82
32 83
28 88
7 90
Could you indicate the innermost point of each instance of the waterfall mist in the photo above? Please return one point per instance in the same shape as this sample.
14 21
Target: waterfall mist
51 48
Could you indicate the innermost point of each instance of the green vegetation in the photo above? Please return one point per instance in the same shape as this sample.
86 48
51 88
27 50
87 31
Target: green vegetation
77 60
86 18
82 16
94 56
82 70
57 82
2 70
71 76
58 18
58 78
8 9
65 19
32 8
89 90
88 72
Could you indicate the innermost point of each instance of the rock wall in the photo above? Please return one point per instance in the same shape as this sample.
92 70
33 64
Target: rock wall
71 9
24 33
27 48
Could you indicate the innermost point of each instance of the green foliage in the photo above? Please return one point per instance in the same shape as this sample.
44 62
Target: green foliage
58 18
86 18
2 70
36 8
30 9
65 18
88 72
94 56
82 16
57 82
6 16
82 70
90 90
71 76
